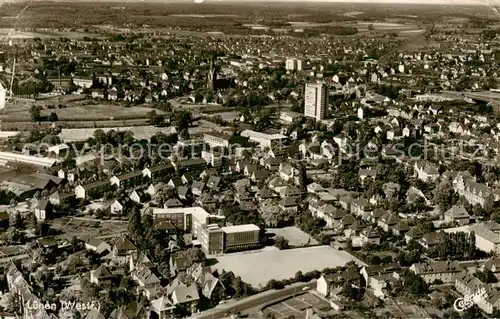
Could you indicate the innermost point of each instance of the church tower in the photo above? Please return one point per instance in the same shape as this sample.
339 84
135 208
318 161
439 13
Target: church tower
212 74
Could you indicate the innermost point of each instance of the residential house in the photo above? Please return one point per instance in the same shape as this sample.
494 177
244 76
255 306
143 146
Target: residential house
426 171
186 296
159 171
138 196
366 173
197 188
288 205
163 307
122 250
58 198
388 221
97 245
370 236
360 207
43 210
127 180
445 271
147 282
287 172
100 276
91 190
457 215
430 240
117 207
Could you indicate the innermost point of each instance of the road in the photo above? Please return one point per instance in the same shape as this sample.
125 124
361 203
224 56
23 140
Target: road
253 301
12 258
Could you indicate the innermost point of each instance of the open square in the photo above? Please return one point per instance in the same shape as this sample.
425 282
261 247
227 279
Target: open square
258 267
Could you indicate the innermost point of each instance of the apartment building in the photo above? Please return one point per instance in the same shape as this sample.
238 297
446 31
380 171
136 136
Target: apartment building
487 236
263 139
316 101
445 271
474 193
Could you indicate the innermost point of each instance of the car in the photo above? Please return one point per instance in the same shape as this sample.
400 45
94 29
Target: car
305 288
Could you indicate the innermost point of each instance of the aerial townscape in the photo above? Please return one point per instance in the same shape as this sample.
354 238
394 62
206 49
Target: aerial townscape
217 159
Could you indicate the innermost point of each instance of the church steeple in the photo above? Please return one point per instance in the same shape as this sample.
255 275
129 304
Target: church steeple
212 74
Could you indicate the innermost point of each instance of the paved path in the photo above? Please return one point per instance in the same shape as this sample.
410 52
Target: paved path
254 301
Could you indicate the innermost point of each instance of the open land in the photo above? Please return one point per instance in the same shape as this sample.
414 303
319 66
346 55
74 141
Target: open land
258 267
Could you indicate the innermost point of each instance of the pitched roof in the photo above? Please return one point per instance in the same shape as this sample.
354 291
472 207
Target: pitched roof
101 272
182 294
123 243
457 211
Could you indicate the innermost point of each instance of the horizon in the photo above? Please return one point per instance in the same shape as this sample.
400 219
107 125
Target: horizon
414 2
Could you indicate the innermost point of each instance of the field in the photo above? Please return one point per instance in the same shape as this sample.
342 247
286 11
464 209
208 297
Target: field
21 112
140 132
260 266
216 16
88 228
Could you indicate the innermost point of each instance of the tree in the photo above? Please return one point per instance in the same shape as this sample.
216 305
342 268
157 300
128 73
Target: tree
42 229
52 117
486 276
299 276
281 243
35 113
184 134
76 244
31 221
275 284
135 230
414 284
17 221
302 177
184 120
155 119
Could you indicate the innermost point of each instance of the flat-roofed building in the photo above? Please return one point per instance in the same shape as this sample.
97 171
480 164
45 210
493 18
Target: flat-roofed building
212 240
176 216
263 139
241 237
10 157
316 100
217 139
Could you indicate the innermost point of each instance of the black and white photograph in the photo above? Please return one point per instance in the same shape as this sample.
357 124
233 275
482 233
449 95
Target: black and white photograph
265 159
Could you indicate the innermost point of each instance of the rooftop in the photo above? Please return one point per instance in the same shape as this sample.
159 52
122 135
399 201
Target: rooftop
240 228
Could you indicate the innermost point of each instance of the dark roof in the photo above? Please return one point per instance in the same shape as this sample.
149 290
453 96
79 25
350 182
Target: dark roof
193 162
95 184
183 190
123 243
43 204
176 181
128 176
159 168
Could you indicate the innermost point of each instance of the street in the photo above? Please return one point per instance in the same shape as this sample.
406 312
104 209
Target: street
254 301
